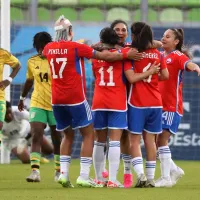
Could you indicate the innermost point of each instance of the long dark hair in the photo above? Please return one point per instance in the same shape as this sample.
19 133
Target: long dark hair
179 35
142 36
109 36
118 21
40 40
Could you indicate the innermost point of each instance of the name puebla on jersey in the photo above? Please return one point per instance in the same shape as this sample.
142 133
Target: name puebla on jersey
150 55
57 51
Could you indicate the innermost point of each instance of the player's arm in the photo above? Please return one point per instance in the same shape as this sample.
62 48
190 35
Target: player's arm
27 86
164 73
132 54
193 67
156 44
14 63
134 77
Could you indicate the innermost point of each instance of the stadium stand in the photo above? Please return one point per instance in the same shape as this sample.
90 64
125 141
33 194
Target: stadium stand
71 13
116 13
152 15
16 14
171 15
193 15
65 2
43 14
92 14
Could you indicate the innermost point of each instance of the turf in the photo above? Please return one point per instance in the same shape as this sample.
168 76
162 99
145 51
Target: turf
13 185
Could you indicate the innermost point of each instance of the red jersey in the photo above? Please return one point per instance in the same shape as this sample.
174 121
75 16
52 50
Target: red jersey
171 89
145 93
67 69
110 92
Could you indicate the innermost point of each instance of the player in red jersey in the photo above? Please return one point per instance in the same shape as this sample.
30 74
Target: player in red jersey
145 105
70 106
110 106
171 90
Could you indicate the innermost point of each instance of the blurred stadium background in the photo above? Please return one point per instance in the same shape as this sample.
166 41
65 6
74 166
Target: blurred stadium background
89 17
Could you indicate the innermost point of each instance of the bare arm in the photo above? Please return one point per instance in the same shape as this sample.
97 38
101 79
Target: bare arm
27 86
134 77
115 56
156 44
193 67
164 74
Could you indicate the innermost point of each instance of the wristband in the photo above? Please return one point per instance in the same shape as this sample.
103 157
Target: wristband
9 79
22 98
124 55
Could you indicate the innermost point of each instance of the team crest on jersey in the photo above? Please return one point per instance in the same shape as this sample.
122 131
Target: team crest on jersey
37 67
169 60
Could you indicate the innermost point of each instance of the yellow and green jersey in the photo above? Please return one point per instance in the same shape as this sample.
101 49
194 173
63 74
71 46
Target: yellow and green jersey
39 71
6 58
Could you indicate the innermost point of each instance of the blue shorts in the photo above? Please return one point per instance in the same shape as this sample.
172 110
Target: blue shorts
170 121
144 119
77 116
110 119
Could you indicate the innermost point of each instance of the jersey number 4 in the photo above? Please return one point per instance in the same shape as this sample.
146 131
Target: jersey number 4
110 72
148 79
63 62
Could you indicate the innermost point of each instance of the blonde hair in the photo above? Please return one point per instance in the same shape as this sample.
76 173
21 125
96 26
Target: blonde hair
62 28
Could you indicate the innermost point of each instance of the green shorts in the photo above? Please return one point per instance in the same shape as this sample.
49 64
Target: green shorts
41 115
2 110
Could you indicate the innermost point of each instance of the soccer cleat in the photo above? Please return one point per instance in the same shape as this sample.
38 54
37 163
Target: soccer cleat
44 160
34 176
56 176
176 175
88 183
105 174
103 183
141 181
128 180
64 182
150 184
163 182
114 184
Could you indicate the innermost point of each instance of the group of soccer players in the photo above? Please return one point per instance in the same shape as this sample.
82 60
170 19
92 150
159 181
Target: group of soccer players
138 92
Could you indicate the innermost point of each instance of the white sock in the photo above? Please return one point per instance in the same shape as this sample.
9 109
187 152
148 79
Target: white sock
104 162
127 163
64 165
173 166
86 163
98 159
150 169
114 159
137 163
165 161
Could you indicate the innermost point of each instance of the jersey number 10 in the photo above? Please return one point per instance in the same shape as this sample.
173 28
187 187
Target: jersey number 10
63 65
110 72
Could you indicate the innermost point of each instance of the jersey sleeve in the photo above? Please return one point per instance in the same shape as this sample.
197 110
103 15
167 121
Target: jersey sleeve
85 51
9 59
163 64
29 74
128 65
183 60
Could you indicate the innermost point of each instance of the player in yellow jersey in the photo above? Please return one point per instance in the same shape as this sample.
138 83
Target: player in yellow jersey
6 58
38 73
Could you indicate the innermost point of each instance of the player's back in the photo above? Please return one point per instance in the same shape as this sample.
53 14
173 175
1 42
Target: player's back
67 68
146 93
110 85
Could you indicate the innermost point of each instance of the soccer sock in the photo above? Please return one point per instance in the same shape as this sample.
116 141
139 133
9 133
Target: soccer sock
150 169
64 165
173 166
165 161
104 162
114 159
35 160
137 163
57 162
98 159
86 163
127 163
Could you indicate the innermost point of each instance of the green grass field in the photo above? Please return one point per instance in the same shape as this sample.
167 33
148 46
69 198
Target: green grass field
13 185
